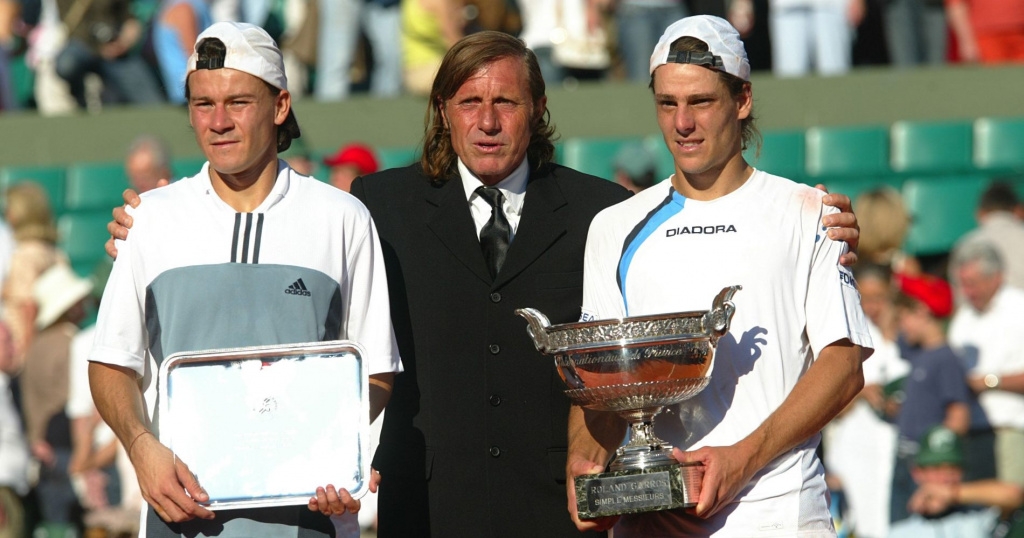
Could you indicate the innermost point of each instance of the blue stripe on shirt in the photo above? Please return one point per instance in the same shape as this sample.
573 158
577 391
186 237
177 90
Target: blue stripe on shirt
668 208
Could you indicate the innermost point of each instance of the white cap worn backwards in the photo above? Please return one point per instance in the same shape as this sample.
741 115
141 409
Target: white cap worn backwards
724 44
250 49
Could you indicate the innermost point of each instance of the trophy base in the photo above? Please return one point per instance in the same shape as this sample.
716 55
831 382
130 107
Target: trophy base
633 491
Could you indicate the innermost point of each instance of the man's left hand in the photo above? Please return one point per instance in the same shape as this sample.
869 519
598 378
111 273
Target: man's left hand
333 502
726 473
843 226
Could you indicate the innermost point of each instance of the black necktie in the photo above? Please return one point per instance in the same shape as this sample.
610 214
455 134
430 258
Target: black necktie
494 236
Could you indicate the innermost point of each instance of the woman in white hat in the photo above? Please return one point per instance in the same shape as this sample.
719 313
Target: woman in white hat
60 295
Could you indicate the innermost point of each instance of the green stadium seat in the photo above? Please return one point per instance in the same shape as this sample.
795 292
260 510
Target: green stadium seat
594 156
999 144
95 186
782 153
941 209
81 235
50 178
931 147
186 166
396 157
850 151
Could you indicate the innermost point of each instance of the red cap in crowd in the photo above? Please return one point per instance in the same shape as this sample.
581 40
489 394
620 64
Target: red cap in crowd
933 291
356 154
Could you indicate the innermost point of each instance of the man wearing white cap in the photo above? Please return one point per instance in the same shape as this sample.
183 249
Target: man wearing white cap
214 261
792 358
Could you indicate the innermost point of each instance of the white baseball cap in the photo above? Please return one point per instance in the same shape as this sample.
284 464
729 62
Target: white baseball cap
250 49
724 45
56 290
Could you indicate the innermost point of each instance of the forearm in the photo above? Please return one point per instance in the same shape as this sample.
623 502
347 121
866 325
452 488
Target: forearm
380 393
960 21
958 418
829 385
1003 495
118 398
1012 383
593 435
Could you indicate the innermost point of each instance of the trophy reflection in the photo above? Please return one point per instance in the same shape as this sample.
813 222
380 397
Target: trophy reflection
635 367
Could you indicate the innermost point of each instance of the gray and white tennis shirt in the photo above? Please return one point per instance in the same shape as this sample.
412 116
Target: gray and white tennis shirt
195 274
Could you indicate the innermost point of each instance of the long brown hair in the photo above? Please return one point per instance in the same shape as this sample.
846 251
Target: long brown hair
462 61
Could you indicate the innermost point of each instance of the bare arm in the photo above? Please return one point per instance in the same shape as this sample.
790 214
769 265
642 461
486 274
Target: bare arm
380 393
830 383
1009 383
166 483
958 417
935 498
593 437
958 14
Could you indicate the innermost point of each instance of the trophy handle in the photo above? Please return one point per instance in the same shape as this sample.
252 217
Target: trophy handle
537 324
720 315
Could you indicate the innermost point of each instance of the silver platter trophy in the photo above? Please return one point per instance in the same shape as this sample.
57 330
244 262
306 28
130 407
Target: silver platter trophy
635 367
265 426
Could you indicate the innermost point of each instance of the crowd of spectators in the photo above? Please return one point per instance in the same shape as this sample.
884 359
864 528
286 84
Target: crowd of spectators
934 445
88 53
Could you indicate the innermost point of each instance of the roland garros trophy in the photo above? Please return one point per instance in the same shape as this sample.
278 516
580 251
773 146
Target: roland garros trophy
635 367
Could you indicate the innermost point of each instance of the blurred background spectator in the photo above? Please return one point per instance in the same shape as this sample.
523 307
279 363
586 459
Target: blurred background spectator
946 505
176 25
148 161
101 39
1000 226
640 25
14 458
429 28
986 330
299 158
916 31
28 213
935 392
635 166
44 384
988 31
381 21
884 223
350 162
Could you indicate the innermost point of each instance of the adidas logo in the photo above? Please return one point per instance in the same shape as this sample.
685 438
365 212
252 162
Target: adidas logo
297 288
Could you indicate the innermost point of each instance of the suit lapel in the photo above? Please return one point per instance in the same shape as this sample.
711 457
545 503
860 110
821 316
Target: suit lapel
540 226
452 223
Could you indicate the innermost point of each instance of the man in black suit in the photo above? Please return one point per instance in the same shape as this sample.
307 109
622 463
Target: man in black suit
474 437
474 441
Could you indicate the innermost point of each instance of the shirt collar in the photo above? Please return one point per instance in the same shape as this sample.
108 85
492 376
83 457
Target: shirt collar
277 193
512 187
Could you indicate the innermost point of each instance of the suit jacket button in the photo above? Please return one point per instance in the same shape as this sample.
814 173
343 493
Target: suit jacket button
495 400
495 451
494 349
495 297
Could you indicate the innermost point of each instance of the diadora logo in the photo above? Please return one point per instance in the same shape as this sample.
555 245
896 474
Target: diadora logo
703 230
297 288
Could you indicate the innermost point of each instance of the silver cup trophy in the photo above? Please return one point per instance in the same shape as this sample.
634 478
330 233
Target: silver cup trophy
635 367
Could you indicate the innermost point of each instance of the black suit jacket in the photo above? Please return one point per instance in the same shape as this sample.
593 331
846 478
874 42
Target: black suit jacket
474 437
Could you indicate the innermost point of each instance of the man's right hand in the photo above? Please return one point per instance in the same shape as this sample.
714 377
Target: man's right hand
166 482
118 228
577 468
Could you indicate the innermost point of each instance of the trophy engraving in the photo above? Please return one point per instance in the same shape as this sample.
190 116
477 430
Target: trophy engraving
635 367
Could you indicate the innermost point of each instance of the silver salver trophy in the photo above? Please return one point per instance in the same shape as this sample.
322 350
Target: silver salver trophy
265 426
635 367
